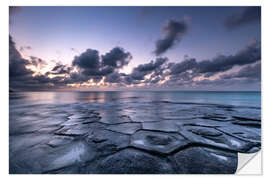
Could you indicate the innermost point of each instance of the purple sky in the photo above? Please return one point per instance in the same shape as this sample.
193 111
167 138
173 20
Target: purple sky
107 48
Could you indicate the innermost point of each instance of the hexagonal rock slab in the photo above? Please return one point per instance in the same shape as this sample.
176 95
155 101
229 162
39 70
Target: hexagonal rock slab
213 137
166 126
249 134
200 160
125 128
204 131
105 140
60 140
131 161
159 142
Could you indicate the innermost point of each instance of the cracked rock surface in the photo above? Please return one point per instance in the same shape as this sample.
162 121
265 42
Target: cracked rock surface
130 137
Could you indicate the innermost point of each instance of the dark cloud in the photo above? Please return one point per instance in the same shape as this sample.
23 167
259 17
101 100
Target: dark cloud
90 65
188 64
142 70
37 62
61 69
173 32
21 78
249 72
117 58
250 54
17 64
152 65
189 68
183 77
183 73
87 60
247 16
98 72
114 78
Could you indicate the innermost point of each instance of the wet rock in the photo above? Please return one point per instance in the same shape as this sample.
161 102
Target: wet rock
130 161
65 170
199 160
112 118
29 160
166 126
145 117
216 118
60 141
204 123
222 141
108 142
74 154
246 118
73 130
159 142
23 142
248 123
204 131
245 133
117 137
126 128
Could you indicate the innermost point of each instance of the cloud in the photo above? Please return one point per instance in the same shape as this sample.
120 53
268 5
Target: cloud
173 32
248 72
114 78
251 53
152 65
87 60
189 69
98 72
177 68
190 73
91 64
37 62
116 58
22 78
61 69
157 73
22 48
16 62
142 70
247 16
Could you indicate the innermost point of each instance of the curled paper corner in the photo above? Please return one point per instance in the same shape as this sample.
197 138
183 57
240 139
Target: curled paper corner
249 163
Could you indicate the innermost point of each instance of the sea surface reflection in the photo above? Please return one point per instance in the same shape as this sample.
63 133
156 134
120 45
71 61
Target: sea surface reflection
223 98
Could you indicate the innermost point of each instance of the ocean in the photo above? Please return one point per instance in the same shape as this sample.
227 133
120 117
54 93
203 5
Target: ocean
87 132
234 98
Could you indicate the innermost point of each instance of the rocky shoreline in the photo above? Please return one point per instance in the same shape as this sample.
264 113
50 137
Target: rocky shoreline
80 138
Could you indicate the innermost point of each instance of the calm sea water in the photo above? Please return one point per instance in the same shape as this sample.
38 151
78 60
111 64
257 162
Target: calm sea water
251 99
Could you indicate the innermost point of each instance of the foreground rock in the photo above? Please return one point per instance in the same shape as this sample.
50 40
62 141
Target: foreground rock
131 161
199 160
118 138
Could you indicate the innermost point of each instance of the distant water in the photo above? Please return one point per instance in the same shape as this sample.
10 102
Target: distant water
250 99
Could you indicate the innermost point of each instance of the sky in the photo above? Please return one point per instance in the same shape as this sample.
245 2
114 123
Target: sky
119 48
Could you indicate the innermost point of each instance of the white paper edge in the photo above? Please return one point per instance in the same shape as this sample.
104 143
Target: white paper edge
249 164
